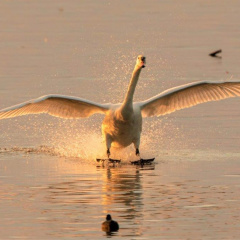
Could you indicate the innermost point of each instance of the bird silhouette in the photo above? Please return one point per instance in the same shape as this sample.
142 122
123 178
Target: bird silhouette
110 225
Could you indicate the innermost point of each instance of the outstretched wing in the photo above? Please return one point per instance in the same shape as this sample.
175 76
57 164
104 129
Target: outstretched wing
56 105
188 95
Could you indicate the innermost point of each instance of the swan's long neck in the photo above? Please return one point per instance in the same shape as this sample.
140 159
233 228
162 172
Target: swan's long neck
132 85
127 106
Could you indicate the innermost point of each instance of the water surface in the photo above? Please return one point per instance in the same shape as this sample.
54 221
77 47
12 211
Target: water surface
50 185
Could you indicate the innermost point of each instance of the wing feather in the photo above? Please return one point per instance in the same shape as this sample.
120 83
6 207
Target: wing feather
56 105
188 95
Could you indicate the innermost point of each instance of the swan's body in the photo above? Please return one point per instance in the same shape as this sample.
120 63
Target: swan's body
122 124
121 132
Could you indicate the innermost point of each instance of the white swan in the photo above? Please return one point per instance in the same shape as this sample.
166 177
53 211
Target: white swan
122 124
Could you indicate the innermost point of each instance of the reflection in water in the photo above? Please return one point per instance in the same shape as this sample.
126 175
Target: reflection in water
58 198
122 194
120 191
122 187
75 201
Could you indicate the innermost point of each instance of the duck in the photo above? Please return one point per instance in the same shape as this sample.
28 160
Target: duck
122 124
110 225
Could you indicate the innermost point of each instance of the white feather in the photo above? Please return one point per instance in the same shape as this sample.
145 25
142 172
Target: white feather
56 105
188 95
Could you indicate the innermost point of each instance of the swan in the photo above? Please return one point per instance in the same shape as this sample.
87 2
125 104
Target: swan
122 124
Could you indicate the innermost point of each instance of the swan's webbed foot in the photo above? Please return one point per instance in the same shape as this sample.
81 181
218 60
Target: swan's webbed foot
108 153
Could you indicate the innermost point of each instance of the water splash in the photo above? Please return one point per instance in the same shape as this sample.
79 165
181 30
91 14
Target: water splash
82 140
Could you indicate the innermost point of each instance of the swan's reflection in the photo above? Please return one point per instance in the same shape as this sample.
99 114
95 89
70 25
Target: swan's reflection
83 200
122 192
122 196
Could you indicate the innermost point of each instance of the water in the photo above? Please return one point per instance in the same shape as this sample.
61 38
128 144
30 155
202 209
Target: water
50 185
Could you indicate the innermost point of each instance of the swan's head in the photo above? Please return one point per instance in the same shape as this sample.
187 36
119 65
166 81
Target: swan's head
141 61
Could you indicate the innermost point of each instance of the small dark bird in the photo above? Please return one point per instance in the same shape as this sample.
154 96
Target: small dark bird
110 225
214 54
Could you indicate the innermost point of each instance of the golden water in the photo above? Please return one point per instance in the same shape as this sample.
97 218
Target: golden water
50 185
